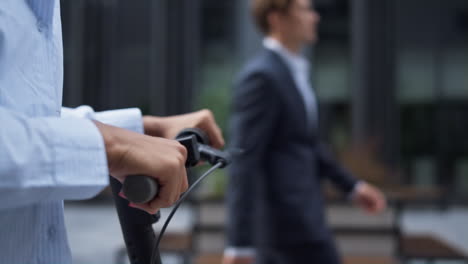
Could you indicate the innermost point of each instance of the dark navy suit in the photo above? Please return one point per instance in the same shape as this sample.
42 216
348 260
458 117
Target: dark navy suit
274 198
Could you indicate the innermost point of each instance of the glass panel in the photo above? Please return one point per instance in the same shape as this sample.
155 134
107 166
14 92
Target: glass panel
415 71
217 68
332 68
331 72
461 181
455 72
423 171
432 88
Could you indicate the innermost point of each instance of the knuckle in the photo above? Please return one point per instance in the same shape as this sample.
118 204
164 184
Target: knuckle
152 211
174 164
180 162
182 149
179 158
182 158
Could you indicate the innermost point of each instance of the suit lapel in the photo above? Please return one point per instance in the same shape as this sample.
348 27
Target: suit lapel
288 85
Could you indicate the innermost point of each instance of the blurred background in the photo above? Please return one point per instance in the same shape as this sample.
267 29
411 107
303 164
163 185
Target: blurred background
392 81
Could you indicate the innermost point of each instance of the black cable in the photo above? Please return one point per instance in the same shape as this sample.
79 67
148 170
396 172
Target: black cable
182 198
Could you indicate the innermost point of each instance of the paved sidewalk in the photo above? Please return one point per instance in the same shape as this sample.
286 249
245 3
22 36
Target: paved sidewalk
450 226
94 231
95 236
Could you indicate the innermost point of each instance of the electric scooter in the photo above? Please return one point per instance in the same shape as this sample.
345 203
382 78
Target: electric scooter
137 225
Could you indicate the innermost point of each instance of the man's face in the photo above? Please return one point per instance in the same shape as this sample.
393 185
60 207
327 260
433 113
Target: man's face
300 22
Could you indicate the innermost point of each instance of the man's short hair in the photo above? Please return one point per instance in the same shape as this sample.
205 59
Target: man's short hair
262 8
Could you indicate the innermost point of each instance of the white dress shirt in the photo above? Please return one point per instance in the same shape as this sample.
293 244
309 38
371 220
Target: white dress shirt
44 159
299 68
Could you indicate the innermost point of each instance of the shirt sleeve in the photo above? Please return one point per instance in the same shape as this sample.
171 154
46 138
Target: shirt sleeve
355 190
49 158
330 168
240 252
130 118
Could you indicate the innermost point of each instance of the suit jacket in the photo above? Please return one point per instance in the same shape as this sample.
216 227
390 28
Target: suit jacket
274 192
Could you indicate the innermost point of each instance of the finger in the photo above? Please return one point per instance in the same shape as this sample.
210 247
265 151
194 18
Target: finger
185 185
374 200
377 204
367 204
183 180
209 125
182 150
218 138
378 200
374 207
182 187
167 194
382 203
121 194
215 135
165 198
170 193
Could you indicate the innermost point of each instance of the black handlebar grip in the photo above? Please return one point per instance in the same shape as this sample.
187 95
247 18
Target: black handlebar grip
140 189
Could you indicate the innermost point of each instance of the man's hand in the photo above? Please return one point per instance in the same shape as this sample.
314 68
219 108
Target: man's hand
238 260
369 198
130 153
169 127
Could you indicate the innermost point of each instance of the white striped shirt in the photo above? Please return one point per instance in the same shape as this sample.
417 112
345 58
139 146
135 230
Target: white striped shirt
44 159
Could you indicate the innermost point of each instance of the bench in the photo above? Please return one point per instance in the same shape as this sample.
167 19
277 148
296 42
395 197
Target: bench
429 248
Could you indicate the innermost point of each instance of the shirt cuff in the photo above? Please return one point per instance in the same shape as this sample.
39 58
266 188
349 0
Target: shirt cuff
80 166
130 118
356 187
240 252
